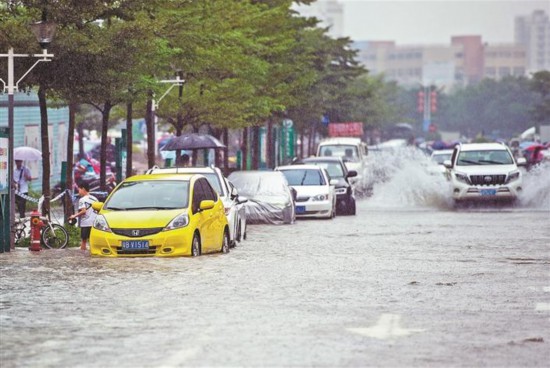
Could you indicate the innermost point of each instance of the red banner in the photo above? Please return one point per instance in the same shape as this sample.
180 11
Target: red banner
347 129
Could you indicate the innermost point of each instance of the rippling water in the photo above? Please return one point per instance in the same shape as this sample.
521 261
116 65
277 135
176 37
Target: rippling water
468 285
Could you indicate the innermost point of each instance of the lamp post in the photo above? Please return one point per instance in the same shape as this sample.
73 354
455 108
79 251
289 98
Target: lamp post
44 32
179 81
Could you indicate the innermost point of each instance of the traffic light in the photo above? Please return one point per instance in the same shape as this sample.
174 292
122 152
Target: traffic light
420 101
433 101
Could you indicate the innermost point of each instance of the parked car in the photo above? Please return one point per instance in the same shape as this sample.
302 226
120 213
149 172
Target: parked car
232 202
270 199
315 195
161 215
339 175
484 171
353 152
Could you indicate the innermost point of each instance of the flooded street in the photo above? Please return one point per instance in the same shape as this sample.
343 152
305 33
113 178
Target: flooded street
409 281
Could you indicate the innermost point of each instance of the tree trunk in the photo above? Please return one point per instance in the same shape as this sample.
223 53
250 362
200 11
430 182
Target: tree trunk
269 146
226 150
45 143
301 143
80 130
150 122
129 140
179 130
67 200
103 153
255 148
244 150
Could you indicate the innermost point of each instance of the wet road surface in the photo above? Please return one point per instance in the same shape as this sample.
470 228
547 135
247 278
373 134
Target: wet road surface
409 281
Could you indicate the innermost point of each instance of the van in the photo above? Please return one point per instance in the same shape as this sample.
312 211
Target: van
353 152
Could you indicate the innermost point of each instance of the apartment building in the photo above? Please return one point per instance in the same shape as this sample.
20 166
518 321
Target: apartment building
504 60
464 61
533 33
329 12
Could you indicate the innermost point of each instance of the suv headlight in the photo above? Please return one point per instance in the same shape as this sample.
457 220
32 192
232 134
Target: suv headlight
463 178
514 175
178 222
320 197
100 223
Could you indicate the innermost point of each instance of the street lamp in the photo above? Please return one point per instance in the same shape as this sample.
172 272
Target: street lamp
179 81
44 32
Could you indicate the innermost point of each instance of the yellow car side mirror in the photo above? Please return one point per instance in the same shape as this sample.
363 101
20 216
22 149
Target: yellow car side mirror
206 205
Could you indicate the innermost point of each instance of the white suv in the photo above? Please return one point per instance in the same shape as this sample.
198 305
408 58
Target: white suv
484 171
233 203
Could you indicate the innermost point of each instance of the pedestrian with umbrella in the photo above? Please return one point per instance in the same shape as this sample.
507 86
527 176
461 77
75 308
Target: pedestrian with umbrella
21 178
22 175
192 142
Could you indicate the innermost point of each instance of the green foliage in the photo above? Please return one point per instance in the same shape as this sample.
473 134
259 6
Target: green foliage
540 84
243 62
501 108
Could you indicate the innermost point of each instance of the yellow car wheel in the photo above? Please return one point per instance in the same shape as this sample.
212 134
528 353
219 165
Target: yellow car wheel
196 246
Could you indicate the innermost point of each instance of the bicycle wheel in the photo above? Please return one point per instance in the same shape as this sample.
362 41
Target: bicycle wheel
19 236
55 236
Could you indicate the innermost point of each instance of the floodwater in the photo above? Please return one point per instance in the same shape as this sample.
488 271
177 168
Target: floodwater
409 281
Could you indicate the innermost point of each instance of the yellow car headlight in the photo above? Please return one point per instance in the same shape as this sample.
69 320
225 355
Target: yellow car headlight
178 222
100 223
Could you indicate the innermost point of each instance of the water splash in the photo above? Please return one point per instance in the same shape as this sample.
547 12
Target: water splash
536 188
407 178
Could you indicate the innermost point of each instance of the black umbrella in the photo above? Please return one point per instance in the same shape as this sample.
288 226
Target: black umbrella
192 141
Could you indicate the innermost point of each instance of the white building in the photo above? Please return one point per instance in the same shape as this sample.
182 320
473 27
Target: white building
329 12
533 32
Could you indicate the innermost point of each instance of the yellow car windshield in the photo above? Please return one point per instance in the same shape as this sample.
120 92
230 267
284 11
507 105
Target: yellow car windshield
153 194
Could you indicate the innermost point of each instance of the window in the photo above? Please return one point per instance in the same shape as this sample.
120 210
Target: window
198 196
304 177
504 71
208 191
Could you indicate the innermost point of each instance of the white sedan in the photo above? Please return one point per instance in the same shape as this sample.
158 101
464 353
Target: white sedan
315 194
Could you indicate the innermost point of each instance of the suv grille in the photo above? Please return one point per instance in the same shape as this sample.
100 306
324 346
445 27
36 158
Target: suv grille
137 233
487 179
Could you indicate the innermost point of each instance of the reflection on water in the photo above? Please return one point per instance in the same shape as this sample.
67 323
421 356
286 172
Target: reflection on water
408 179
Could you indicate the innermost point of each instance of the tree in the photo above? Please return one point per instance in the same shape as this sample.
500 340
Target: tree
540 84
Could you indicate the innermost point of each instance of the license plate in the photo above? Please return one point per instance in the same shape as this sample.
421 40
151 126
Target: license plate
300 209
488 192
135 244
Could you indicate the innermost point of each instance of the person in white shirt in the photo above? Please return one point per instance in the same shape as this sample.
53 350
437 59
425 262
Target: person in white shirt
85 213
21 178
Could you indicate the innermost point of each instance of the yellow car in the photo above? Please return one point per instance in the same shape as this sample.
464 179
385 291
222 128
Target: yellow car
160 215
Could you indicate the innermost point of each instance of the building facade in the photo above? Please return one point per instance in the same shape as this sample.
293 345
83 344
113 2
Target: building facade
533 33
329 12
466 60
27 132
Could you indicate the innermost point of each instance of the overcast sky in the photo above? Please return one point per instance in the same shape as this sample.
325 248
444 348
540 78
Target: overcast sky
435 21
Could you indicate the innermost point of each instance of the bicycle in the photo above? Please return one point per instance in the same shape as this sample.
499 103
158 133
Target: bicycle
52 235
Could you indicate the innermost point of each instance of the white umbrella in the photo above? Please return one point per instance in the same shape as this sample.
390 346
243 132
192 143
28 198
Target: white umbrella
26 154
529 133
